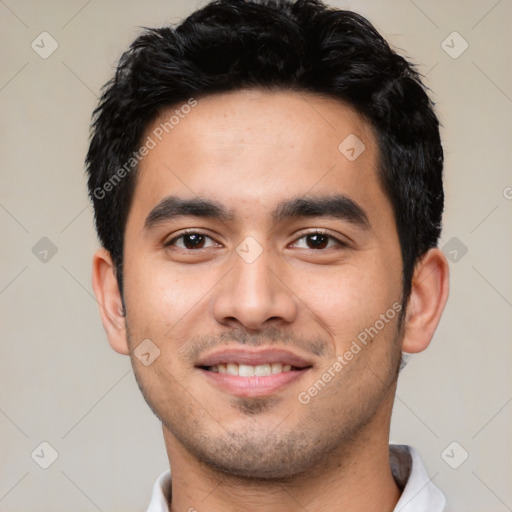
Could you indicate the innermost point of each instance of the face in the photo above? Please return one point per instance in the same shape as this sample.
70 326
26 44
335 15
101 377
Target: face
262 261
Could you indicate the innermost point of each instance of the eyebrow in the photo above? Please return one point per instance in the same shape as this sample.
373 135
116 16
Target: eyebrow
172 207
335 206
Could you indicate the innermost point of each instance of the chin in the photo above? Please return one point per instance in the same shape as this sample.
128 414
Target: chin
259 459
257 472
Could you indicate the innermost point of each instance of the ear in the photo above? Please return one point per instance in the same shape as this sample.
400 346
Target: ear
429 293
106 289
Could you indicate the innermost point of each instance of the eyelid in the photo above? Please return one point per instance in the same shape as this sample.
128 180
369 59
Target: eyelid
189 231
319 231
316 231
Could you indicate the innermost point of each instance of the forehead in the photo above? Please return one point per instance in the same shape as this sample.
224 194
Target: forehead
278 120
257 147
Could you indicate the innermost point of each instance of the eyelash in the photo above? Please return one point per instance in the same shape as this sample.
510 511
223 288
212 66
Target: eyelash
338 242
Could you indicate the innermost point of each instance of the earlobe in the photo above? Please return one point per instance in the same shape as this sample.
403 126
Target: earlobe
106 289
429 293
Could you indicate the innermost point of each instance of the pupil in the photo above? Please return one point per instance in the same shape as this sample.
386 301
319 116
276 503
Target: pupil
317 241
193 241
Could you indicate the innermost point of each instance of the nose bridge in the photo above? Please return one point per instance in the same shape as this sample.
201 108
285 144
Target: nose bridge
252 293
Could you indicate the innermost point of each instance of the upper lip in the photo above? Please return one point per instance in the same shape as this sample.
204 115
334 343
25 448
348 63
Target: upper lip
253 357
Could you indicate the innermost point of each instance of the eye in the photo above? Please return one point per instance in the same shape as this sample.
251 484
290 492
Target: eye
192 240
317 240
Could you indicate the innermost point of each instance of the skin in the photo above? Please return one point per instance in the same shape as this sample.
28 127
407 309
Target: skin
250 150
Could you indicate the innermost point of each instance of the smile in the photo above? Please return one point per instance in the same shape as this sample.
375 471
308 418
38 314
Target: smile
249 372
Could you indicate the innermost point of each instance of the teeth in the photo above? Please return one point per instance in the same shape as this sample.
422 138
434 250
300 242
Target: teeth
277 368
262 370
247 370
232 369
244 370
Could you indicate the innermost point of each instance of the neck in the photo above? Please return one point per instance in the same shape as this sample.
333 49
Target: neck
356 478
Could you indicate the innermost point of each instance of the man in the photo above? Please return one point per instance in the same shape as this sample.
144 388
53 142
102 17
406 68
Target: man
267 186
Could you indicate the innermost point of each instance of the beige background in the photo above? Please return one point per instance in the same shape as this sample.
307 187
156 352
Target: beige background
60 381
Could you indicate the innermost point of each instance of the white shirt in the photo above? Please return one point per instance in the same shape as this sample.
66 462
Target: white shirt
419 494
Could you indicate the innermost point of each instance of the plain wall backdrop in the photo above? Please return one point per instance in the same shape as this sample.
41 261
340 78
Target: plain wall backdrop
61 383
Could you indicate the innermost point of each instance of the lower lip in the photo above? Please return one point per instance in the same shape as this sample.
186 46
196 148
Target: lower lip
252 386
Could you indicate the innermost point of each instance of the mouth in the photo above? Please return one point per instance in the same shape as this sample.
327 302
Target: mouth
247 370
251 373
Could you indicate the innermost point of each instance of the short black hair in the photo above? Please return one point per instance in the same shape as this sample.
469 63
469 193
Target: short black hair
300 45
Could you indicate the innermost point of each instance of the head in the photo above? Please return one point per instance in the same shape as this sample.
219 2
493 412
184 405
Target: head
267 175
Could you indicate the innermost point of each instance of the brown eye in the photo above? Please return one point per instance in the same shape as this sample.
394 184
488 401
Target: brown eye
191 241
318 241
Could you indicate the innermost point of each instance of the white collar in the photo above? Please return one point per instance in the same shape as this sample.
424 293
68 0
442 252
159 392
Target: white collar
419 493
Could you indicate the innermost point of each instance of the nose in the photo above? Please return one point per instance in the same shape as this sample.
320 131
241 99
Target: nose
254 296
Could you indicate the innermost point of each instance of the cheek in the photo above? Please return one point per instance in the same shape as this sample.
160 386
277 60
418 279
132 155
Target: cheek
348 298
159 297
